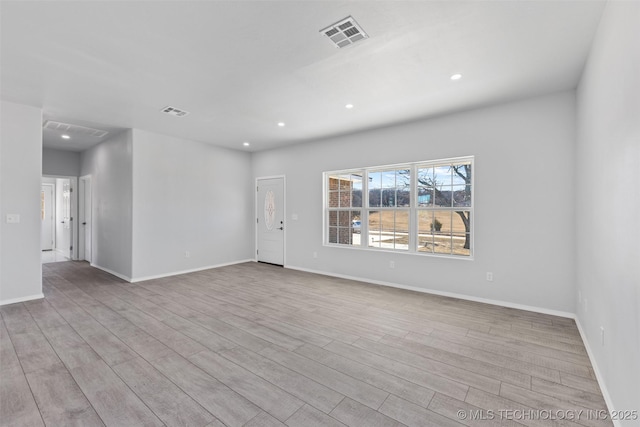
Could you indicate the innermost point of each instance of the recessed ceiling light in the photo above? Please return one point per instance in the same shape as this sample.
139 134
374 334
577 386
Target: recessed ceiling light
456 76
349 106
246 144
281 124
66 137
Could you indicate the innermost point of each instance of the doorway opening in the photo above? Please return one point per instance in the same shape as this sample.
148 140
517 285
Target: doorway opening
57 211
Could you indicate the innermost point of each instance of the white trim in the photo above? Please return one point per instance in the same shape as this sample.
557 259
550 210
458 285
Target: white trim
73 237
596 370
442 293
53 218
83 181
192 270
118 275
21 299
414 209
284 216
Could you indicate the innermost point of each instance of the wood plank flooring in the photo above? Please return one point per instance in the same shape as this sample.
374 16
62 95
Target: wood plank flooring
258 345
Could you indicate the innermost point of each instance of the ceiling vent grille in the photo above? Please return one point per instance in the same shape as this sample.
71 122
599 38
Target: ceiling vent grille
344 33
174 111
74 129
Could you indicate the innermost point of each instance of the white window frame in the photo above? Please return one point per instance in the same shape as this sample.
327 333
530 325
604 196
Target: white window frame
414 208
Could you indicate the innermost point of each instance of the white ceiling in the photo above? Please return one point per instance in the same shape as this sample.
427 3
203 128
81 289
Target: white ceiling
240 67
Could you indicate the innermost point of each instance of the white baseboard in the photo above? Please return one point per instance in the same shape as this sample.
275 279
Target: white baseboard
192 270
21 299
121 276
599 377
442 293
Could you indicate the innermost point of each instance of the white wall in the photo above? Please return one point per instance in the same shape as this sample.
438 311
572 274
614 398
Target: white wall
524 201
608 203
110 166
188 196
20 173
60 162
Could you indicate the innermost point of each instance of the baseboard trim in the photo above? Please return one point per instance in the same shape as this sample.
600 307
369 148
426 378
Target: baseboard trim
21 299
192 270
596 370
114 273
442 293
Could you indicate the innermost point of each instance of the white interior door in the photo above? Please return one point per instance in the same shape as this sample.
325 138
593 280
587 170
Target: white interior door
47 216
84 214
270 219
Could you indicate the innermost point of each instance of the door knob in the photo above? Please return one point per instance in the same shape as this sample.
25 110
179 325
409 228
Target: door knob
280 228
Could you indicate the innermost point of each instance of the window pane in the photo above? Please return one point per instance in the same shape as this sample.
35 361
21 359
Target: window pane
344 218
441 229
356 194
375 189
333 218
345 182
374 229
442 196
333 183
462 195
462 174
356 227
345 199
441 222
333 234
461 221
388 179
333 199
425 196
442 175
403 197
344 235
425 176
401 235
461 244
425 234
442 243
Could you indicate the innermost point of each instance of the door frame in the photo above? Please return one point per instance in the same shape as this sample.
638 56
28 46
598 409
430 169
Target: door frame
284 216
82 250
73 185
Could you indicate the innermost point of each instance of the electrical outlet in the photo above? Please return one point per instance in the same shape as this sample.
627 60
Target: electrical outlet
392 264
602 335
294 216
315 254
187 254
13 218
489 276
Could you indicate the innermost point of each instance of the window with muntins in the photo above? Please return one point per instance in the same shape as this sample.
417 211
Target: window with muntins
420 207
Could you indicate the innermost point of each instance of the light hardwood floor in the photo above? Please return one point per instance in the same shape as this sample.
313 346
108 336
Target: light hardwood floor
259 345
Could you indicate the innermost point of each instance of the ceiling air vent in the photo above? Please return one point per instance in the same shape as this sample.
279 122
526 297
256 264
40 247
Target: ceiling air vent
345 32
174 111
74 129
